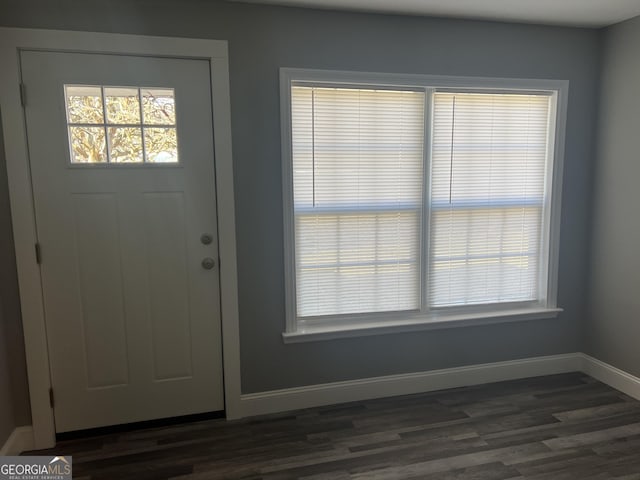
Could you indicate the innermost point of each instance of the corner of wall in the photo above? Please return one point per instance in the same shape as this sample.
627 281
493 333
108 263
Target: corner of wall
611 299
586 336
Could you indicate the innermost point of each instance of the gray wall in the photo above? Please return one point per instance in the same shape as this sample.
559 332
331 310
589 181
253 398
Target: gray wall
261 40
7 416
14 395
613 330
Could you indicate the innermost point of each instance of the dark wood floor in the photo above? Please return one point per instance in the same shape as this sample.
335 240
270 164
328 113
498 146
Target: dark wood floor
558 427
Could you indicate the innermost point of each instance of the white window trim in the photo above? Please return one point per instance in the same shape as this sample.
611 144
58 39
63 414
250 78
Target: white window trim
330 327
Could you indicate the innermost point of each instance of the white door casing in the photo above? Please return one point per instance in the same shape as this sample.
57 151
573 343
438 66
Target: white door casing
212 52
133 318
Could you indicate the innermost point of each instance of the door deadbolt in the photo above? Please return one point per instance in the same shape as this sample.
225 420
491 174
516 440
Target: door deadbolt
206 238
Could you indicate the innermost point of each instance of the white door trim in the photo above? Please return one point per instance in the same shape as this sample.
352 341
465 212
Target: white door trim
12 40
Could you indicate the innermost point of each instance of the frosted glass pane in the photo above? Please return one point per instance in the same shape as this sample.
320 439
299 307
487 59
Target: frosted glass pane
161 145
125 145
84 104
123 105
87 145
158 106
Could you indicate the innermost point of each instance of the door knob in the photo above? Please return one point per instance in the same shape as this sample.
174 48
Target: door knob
208 263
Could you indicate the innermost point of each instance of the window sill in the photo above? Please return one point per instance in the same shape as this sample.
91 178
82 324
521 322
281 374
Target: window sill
363 329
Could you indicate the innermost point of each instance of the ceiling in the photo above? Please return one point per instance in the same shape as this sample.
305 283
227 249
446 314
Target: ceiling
587 13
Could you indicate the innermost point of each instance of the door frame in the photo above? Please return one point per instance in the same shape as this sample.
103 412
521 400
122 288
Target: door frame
14 40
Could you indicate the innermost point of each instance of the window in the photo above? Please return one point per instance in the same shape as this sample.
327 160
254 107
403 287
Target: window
121 124
488 165
416 200
357 163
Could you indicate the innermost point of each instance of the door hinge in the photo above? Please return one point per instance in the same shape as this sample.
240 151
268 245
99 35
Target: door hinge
38 254
23 94
51 401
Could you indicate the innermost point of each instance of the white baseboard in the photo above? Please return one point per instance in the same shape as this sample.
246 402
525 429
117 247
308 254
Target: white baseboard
612 376
20 440
405 384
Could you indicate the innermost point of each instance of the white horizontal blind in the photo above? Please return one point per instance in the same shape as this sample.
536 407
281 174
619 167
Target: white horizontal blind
357 174
489 161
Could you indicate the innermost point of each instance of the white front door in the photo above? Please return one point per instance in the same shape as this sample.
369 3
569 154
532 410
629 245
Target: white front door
122 164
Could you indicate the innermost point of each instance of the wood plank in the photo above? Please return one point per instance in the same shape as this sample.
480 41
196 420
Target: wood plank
561 427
